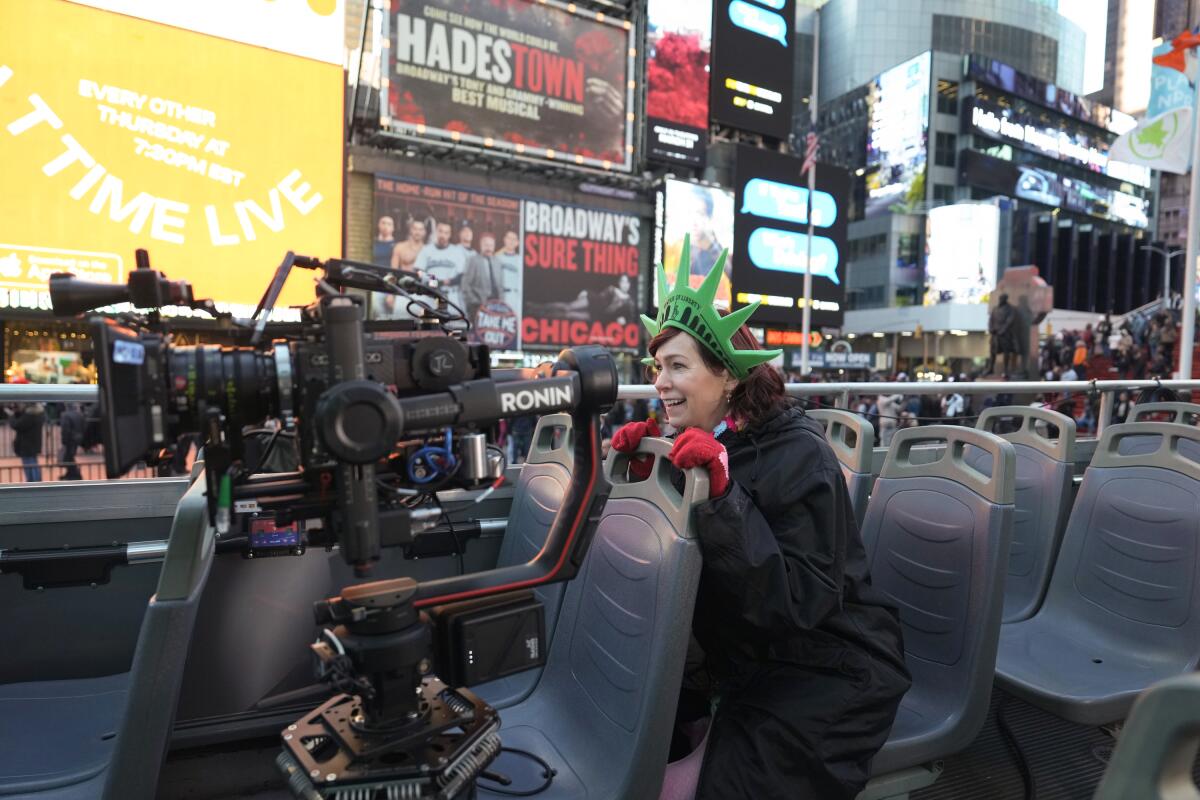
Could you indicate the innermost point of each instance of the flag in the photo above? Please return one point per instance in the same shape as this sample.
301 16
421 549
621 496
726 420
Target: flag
1162 138
812 146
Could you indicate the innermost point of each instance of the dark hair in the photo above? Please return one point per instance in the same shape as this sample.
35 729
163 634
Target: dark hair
706 197
758 396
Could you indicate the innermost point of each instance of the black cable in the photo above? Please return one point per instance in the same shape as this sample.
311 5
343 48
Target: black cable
458 546
548 772
1015 746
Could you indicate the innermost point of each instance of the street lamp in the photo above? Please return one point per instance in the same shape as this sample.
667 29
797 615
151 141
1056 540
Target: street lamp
1167 256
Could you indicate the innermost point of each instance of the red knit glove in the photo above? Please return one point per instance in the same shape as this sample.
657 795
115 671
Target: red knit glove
699 448
627 440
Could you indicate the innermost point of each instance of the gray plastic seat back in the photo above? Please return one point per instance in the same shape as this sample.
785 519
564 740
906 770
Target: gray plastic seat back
603 711
1129 559
158 660
537 497
1044 444
853 441
937 537
106 736
1154 756
1180 413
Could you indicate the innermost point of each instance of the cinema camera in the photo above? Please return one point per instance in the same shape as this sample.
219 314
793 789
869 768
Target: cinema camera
384 415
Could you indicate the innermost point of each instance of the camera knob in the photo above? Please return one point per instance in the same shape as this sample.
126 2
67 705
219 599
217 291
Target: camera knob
358 421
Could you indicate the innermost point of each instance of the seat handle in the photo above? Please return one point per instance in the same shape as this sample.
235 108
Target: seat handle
659 488
1158 745
839 425
1060 448
999 487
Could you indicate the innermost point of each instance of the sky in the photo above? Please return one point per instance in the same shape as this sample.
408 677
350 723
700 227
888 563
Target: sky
1092 16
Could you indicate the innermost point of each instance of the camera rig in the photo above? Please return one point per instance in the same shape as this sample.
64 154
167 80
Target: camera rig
384 415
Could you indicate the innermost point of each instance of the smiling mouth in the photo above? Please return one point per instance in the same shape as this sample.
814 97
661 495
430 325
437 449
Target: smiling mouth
673 403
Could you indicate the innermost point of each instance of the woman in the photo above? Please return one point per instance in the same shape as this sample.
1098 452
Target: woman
804 655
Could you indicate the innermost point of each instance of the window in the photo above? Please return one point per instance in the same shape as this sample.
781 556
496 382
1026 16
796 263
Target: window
946 152
947 96
943 194
1012 45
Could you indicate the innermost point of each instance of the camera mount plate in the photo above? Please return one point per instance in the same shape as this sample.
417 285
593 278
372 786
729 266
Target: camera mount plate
437 752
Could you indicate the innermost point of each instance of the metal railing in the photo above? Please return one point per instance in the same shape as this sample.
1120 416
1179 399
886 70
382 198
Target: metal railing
842 393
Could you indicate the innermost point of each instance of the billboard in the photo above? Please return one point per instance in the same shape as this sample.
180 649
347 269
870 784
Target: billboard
582 267
1059 138
706 214
1045 186
539 79
898 135
752 65
679 36
114 142
1003 76
529 274
470 241
962 247
771 238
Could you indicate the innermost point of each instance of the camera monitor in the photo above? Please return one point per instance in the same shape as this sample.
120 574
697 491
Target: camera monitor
128 365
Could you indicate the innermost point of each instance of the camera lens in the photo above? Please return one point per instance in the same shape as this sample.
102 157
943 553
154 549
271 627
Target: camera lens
240 381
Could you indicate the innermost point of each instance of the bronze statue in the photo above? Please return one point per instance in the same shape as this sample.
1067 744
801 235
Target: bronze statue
1002 327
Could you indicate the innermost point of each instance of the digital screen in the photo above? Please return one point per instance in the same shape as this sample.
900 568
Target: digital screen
1049 188
1057 138
771 238
264 534
706 214
962 245
537 78
1002 76
679 37
213 139
752 65
897 135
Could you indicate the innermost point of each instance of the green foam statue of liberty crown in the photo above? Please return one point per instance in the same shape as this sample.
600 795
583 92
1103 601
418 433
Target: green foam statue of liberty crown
692 310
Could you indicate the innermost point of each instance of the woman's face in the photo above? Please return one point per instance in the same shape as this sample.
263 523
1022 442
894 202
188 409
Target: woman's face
691 394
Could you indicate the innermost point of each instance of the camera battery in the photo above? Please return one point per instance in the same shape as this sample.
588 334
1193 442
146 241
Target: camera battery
482 640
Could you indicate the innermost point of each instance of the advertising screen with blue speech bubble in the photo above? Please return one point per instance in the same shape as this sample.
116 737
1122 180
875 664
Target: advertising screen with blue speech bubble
770 234
752 65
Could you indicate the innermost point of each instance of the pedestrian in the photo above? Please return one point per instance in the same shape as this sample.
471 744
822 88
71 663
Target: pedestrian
71 424
27 444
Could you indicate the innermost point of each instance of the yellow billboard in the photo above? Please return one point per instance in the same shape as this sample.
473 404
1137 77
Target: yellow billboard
118 133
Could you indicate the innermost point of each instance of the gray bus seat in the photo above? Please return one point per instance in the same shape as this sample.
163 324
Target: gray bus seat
1181 413
853 441
1045 469
602 714
87 738
937 537
1154 756
537 496
1123 607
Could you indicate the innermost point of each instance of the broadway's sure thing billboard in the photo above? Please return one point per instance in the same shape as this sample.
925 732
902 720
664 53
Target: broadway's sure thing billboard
752 63
679 37
529 274
770 235
537 78
131 129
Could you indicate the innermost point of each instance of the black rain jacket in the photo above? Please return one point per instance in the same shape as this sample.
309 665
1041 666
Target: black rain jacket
806 655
